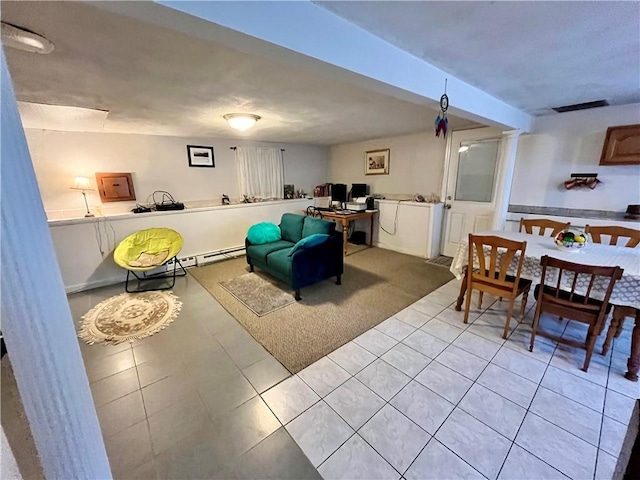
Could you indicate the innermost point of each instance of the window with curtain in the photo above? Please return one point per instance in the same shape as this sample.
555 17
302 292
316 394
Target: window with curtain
260 172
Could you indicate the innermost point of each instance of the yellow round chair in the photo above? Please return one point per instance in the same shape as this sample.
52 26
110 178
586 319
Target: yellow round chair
147 250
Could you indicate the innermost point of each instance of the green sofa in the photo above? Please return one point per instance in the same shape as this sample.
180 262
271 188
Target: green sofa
305 266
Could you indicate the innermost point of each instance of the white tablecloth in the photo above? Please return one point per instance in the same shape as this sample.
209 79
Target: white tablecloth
625 292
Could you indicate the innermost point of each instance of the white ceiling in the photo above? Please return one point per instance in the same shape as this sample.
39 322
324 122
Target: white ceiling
533 55
156 80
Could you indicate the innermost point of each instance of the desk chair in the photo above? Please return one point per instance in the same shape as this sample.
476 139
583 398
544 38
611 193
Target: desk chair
492 277
543 224
571 305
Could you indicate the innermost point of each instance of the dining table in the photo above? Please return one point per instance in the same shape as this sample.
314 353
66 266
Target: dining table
626 291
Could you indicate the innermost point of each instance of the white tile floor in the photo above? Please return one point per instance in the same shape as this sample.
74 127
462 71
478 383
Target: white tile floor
424 396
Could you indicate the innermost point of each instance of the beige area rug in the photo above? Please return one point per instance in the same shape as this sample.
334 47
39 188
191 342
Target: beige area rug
258 294
129 316
376 284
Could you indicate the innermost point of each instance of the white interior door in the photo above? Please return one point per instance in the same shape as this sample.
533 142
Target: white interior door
472 181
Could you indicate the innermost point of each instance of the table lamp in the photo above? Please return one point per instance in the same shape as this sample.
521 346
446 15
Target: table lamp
82 184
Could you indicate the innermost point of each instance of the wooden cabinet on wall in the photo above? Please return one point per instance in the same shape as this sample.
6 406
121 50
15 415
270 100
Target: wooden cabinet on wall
115 187
621 146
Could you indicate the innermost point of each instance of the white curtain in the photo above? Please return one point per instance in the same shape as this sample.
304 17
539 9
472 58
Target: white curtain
260 172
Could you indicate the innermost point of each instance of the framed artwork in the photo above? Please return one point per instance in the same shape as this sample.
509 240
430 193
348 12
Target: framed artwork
200 156
376 162
289 191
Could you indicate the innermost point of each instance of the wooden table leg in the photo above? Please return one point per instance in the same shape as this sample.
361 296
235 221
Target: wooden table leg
345 230
633 364
463 290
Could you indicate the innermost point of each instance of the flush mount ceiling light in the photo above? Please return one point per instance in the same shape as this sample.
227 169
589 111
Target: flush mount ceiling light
21 39
241 121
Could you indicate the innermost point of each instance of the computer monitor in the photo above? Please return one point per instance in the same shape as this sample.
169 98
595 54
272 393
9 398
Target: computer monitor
358 190
339 192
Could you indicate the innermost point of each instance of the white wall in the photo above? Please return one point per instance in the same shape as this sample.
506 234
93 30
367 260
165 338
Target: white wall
572 143
156 162
416 164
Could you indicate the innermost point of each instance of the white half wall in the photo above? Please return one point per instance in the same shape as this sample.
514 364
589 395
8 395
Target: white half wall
84 247
572 142
416 164
156 162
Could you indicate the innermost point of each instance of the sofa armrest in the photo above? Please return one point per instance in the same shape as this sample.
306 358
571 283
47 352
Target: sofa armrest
321 261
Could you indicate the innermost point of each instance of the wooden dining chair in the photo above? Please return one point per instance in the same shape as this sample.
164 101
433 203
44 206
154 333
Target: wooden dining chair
616 233
571 305
543 224
495 255
632 238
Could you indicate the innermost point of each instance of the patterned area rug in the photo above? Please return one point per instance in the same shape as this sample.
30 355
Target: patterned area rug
258 294
129 316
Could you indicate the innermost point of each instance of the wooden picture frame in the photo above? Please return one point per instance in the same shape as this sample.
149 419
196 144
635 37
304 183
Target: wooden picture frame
200 156
376 162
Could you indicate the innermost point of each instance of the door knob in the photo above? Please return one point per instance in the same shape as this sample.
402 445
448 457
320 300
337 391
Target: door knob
447 206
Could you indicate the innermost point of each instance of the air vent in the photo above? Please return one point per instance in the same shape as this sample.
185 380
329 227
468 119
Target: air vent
581 106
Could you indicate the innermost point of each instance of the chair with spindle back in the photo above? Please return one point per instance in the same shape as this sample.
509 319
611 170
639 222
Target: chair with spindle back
616 233
632 238
571 305
492 277
543 224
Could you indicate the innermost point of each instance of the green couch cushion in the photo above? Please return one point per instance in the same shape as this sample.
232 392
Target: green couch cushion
260 252
281 262
316 225
310 241
291 227
265 232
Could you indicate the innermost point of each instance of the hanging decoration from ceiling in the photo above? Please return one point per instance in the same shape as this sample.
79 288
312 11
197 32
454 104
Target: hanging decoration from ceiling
442 123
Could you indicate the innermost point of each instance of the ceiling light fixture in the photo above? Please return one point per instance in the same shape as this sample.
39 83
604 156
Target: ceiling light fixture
21 39
241 121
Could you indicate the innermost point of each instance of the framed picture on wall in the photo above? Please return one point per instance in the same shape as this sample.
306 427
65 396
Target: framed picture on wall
200 156
376 162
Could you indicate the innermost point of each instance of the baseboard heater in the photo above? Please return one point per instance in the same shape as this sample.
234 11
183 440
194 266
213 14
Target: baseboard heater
219 255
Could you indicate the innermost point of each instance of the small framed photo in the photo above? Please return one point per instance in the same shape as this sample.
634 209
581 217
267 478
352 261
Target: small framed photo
289 192
376 162
200 156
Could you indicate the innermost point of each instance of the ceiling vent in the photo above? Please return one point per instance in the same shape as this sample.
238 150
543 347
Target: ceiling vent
581 106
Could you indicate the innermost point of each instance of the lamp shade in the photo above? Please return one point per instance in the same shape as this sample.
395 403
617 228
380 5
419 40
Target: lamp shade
241 121
81 183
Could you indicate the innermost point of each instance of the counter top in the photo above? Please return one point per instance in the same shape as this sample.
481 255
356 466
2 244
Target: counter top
129 215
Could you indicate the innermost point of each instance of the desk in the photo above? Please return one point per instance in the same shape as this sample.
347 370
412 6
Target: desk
626 291
345 218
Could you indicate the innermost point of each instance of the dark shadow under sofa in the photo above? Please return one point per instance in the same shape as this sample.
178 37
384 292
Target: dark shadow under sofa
307 265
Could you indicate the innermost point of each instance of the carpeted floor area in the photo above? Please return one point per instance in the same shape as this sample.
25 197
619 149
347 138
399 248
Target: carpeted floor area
376 284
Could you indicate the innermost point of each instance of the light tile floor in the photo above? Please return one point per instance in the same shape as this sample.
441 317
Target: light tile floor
420 396
424 396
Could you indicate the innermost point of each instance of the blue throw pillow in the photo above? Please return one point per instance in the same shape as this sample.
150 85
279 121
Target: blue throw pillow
310 241
265 232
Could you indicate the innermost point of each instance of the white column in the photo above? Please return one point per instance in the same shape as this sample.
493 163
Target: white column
36 321
504 178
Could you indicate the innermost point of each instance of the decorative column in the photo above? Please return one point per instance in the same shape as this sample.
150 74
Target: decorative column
506 166
36 321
